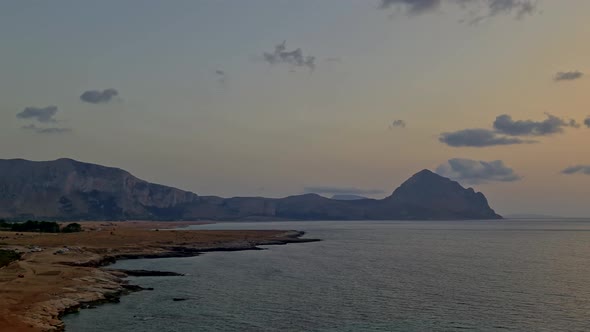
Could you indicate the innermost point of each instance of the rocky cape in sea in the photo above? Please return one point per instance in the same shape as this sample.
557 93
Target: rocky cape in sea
67 189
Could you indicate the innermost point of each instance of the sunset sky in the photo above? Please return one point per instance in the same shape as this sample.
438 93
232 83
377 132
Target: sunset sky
213 96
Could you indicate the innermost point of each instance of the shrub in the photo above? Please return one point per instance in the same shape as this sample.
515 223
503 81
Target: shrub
4 225
7 256
36 226
72 228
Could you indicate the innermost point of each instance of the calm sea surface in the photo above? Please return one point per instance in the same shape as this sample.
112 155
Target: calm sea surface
370 276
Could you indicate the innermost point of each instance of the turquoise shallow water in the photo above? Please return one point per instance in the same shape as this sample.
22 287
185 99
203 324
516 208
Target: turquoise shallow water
370 276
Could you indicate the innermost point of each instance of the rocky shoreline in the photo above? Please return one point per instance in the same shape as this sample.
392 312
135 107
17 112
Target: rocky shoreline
177 251
83 280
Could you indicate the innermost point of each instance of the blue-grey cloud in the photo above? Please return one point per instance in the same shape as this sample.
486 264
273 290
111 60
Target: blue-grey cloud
46 130
477 171
587 122
221 77
482 9
294 58
519 7
41 114
341 190
478 138
568 76
98 96
578 169
397 124
552 125
412 7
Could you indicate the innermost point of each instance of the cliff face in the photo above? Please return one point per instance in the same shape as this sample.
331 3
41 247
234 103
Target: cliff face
67 189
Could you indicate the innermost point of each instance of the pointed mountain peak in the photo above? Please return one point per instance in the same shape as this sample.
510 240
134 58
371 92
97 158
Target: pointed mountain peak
426 176
426 180
425 173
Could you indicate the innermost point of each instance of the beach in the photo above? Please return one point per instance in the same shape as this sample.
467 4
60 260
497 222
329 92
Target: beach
61 273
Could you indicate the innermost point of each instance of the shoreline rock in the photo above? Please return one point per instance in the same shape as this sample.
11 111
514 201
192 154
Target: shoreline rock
124 288
145 273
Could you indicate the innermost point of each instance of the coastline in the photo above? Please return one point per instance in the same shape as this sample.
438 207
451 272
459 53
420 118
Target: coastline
63 273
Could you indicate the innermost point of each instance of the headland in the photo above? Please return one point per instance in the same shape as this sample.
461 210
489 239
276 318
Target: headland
62 273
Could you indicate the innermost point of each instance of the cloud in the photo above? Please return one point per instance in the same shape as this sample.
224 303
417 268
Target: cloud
572 123
519 7
412 7
47 130
506 130
578 169
478 138
482 9
478 10
41 114
568 76
477 171
221 77
552 125
342 190
98 97
587 122
397 124
294 58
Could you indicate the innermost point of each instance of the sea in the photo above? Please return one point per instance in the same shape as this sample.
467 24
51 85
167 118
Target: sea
501 275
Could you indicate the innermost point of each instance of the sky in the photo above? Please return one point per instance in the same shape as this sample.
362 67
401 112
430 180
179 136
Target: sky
276 97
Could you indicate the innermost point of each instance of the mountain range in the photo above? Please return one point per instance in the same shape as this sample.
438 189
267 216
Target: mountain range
66 189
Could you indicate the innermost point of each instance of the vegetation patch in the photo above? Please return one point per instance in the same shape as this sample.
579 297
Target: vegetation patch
39 226
36 226
8 256
72 228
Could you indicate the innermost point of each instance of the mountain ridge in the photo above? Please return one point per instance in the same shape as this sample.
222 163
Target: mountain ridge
66 189
347 197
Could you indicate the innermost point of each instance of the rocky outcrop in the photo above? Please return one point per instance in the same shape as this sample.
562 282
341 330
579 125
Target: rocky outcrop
147 273
66 189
